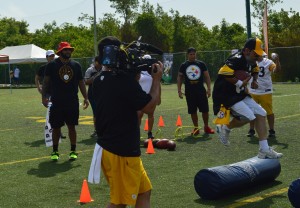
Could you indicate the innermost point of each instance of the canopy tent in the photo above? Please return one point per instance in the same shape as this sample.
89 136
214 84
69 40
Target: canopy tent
4 58
24 54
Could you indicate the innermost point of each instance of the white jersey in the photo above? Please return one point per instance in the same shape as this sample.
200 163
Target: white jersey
145 81
264 79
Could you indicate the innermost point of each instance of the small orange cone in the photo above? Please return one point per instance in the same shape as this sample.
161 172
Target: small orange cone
150 149
179 122
85 196
161 122
146 125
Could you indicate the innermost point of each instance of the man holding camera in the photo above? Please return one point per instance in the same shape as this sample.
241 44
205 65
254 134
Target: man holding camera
118 97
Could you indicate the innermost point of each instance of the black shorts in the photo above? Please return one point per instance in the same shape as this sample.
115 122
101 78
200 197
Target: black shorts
195 101
61 115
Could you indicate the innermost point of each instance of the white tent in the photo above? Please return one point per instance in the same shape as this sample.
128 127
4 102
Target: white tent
24 54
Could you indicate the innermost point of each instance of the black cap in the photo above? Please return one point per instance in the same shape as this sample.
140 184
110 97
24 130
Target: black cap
191 49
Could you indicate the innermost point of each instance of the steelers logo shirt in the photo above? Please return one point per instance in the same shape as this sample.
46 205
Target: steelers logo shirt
193 74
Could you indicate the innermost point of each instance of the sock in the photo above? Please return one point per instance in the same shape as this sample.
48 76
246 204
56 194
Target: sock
263 145
73 147
55 148
226 127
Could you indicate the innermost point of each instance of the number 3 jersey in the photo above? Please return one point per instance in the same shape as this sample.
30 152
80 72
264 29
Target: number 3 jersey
264 79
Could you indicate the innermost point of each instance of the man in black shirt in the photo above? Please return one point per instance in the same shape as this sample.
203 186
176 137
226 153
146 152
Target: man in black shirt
62 78
195 73
40 73
118 97
89 77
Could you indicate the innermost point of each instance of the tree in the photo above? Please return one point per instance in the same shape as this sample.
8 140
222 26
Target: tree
284 29
13 32
189 31
227 36
127 8
154 27
258 6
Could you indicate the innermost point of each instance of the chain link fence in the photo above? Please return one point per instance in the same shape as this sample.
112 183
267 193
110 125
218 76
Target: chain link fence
289 58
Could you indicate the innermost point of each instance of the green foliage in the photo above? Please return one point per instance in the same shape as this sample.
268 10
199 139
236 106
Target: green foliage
13 32
280 32
126 8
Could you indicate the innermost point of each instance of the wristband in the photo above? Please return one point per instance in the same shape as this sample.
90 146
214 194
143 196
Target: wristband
239 83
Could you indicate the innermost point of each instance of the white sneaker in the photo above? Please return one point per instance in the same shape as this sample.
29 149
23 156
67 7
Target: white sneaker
223 133
269 154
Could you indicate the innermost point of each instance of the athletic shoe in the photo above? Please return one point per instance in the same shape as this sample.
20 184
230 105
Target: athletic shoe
269 154
251 133
195 132
54 156
73 155
223 133
272 133
150 136
209 130
94 134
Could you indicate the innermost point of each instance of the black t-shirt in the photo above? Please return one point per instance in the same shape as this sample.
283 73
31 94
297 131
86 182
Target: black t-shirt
41 72
64 81
118 98
193 76
224 92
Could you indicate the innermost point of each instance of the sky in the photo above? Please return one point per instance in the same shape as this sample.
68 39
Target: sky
211 12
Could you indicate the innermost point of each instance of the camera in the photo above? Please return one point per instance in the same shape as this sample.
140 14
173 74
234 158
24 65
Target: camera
129 56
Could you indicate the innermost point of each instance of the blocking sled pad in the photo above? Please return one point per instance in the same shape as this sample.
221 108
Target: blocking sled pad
216 182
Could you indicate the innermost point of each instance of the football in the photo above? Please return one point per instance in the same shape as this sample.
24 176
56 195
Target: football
171 145
274 56
162 144
154 141
241 74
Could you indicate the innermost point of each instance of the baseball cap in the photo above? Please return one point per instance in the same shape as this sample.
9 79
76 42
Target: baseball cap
49 53
256 45
191 49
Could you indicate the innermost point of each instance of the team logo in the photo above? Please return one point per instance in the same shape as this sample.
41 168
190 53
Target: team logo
66 73
221 114
193 72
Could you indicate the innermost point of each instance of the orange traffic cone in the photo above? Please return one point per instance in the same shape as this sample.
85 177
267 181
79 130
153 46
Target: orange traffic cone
161 122
146 125
150 149
178 122
85 196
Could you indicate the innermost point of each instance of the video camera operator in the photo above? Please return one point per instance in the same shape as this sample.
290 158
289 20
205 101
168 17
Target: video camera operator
118 97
